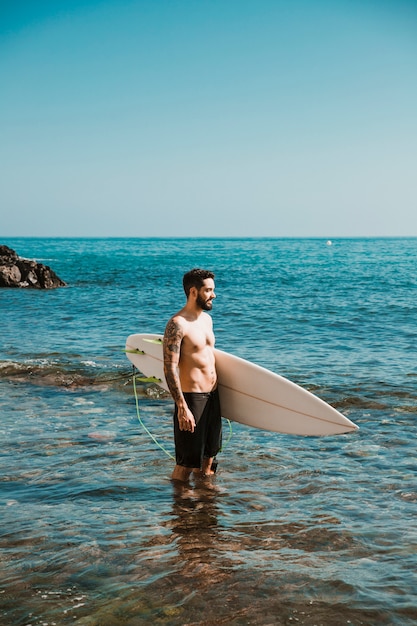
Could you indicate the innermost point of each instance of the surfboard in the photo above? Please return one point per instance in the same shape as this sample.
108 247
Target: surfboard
249 393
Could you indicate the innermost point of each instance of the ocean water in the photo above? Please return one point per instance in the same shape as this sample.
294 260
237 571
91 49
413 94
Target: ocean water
293 530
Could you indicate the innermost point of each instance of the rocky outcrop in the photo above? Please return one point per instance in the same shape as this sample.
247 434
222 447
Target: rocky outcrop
18 272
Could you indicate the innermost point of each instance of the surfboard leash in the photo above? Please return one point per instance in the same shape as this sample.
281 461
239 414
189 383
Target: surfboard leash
143 379
152 379
230 435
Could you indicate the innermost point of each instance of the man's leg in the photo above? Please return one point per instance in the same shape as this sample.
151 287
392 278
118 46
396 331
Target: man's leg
207 469
181 473
213 435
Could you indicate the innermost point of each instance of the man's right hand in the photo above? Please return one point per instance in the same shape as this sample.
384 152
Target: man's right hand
186 419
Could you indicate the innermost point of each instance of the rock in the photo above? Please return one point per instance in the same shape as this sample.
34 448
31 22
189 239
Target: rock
18 272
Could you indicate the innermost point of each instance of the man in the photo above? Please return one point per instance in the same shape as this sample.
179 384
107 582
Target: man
190 372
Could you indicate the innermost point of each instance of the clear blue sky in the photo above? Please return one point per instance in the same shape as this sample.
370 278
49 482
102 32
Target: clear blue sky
208 118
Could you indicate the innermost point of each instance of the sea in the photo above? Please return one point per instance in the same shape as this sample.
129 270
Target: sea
291 530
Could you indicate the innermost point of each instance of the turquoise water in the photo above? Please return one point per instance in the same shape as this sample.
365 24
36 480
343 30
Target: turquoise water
294 530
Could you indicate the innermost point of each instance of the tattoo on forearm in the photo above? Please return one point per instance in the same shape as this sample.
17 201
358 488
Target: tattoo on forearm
174 386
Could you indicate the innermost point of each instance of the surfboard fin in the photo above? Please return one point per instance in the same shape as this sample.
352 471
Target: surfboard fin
134 351
148 379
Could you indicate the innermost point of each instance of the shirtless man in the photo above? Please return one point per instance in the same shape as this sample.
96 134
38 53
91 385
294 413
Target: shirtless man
190 372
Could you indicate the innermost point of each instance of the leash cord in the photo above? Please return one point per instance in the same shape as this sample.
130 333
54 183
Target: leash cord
134 377
135 391
230 435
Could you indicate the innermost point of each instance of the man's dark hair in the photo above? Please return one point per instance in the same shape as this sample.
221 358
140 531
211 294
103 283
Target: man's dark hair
195 278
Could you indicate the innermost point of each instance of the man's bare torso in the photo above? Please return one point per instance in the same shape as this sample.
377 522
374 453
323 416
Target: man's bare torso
197 368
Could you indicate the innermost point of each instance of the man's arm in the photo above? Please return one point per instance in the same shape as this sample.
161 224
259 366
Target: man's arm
173 337
171 347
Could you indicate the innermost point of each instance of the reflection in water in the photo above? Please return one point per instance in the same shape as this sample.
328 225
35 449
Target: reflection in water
195 531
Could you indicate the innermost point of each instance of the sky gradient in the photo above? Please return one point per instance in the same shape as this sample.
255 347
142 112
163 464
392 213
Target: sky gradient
199 118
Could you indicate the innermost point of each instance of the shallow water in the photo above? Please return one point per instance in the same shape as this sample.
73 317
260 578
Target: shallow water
293 529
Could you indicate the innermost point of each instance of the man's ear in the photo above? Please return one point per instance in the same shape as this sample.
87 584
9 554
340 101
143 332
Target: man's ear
193 292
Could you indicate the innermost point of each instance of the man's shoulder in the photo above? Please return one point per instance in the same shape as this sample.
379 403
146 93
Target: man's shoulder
190 320
177 321
180 317
184 322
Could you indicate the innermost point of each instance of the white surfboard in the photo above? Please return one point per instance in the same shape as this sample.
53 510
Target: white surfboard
249 393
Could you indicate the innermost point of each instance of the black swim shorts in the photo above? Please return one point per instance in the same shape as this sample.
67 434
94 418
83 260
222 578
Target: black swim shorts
206 440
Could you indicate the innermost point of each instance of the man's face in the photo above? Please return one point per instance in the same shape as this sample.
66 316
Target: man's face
206 295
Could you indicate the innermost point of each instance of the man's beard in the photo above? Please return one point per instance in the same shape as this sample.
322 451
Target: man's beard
205 305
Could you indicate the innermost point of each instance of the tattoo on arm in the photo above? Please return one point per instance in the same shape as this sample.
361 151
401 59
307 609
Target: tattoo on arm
171 349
